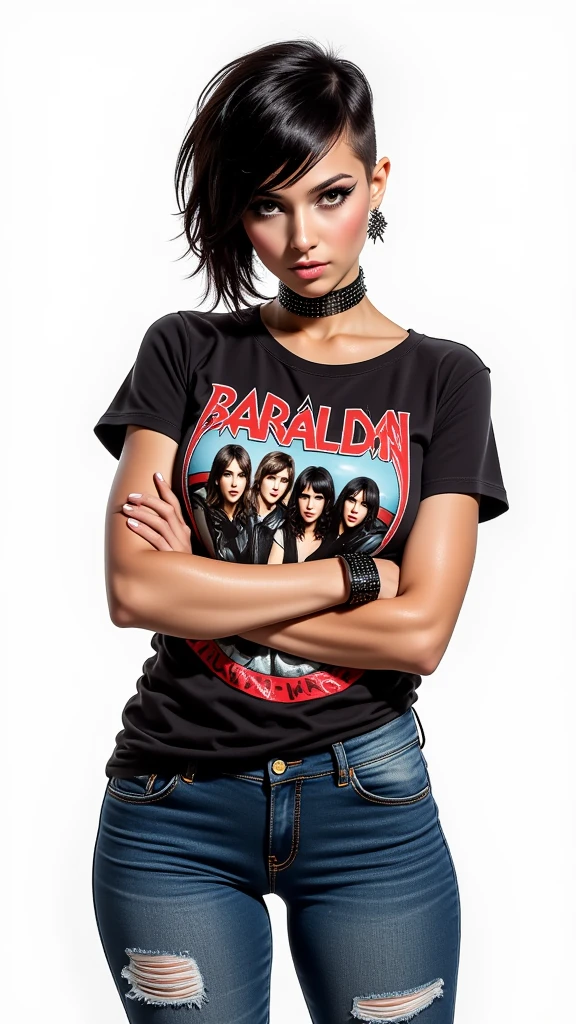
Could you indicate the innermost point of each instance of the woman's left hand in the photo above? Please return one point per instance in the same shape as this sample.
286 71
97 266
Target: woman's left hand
159 520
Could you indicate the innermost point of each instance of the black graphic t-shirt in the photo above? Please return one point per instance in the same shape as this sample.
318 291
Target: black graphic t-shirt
283 459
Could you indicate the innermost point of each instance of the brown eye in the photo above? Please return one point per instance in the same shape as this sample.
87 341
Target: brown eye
341 195
256 207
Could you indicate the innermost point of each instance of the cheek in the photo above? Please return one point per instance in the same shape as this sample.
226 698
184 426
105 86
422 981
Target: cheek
268 243
352 223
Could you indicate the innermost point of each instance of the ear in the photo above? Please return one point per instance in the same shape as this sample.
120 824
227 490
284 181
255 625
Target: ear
379 180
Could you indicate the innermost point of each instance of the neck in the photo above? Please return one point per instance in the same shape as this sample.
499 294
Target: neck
265 506
331 303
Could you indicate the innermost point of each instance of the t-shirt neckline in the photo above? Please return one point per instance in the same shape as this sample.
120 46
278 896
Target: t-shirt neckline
280 352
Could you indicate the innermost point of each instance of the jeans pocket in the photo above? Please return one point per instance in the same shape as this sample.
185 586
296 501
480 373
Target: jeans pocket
142 789
397 777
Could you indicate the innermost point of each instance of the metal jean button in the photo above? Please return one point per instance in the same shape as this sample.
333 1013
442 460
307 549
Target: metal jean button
278 767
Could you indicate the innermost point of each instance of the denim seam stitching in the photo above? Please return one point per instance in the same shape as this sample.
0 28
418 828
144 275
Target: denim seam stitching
384 757
296 778
143 799
271 873
388 800
317 775
295 831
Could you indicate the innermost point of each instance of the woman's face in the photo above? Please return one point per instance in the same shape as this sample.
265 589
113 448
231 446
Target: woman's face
274 486
310 504
232 483
355 509
322 218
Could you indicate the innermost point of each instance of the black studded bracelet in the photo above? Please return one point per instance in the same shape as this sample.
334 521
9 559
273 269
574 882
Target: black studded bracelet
364 578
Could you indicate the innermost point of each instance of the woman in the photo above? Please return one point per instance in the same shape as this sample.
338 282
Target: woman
220 509
226 783
355 524
307 519
267 502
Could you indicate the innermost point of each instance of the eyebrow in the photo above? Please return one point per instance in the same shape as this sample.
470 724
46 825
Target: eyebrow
311 191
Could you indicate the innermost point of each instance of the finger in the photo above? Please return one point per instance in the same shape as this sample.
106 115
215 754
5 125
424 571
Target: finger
164 507
168 495
172 529
157 523
152 536
153 503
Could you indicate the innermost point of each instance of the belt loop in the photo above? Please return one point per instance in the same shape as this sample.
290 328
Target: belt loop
342 764
421 728
188 776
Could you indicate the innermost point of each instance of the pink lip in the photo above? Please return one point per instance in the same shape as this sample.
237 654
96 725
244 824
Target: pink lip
309 263
309 271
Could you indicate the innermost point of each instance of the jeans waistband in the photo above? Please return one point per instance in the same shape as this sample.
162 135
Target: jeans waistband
338 756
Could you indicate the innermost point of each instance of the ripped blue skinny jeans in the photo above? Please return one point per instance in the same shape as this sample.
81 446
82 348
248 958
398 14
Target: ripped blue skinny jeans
349 838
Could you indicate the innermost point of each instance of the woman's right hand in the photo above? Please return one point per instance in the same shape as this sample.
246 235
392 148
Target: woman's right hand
389 577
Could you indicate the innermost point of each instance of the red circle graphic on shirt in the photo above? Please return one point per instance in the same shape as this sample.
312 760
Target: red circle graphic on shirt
279 689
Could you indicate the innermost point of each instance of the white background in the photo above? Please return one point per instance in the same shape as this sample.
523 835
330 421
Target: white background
472 108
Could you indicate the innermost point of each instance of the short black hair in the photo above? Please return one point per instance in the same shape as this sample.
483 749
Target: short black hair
258 119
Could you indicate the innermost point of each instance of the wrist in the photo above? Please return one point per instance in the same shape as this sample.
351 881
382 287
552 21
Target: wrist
363 576
344 581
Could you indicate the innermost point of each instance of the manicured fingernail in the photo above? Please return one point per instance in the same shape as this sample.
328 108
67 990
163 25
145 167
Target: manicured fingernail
129 507
159 475
134 495
133 522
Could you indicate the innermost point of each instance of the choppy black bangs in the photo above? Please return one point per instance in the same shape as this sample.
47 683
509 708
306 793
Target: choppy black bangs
263 121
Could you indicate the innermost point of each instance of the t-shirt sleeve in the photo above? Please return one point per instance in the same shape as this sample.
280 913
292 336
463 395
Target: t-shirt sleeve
154 394
462 456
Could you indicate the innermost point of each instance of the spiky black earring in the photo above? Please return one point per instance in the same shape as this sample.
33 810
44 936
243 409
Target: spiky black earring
376 225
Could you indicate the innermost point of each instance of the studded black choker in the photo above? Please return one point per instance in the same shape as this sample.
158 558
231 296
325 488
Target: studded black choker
323 305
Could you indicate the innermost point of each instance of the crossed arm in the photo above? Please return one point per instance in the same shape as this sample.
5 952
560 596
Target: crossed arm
410 631
294 608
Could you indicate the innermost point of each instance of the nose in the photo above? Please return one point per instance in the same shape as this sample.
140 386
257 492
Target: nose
303 234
